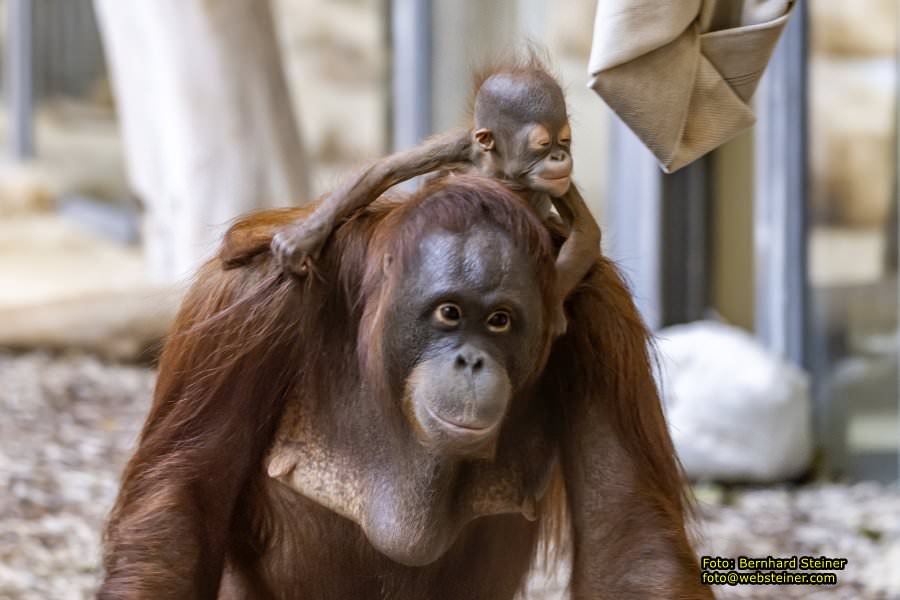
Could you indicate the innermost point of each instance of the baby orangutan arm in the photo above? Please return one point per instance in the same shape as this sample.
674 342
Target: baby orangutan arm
297 244
578 253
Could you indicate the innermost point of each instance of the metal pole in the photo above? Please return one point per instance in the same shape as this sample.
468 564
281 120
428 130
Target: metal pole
657 230
634 220
684 255
18 78
780 184
411 36
896 249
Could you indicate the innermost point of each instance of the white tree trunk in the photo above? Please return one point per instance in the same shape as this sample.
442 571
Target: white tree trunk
206 117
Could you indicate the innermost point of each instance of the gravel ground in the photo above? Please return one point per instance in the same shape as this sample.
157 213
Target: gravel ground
70 423
860 523
67 430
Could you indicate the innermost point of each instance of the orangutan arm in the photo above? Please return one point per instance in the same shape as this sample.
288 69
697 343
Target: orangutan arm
296 244
578 253
626 494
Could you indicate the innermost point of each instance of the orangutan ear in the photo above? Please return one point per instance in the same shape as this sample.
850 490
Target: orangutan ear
387 264
485 139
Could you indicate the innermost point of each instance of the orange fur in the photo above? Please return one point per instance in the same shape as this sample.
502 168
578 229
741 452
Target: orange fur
195 501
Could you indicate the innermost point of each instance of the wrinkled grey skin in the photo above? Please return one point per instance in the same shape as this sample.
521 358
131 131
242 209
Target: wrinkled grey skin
457 412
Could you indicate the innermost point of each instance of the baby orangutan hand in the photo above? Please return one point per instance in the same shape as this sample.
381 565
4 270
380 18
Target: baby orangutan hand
559 323
297 246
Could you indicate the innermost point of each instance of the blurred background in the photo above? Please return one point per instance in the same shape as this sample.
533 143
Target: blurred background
133 132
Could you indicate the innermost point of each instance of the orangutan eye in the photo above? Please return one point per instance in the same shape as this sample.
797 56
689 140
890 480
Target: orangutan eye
565 135
448 314
538 137
499 321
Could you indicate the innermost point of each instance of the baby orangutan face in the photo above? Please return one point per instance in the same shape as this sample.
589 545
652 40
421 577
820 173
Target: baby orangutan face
522 131
550 164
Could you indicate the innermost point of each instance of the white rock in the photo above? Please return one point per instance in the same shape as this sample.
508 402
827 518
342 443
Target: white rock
883 573
735 412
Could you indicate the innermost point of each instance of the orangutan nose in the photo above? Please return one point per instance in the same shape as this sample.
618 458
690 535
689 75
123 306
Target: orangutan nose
470 360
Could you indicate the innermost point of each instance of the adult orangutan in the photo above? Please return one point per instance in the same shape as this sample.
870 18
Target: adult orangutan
400 427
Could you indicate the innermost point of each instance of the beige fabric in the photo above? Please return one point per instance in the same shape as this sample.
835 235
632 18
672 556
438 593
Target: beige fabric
680 73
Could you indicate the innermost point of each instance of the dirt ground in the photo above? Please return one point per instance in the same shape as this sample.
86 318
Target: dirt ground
69 423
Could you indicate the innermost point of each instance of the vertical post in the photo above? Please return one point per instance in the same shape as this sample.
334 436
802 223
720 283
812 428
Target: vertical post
780 197
895 247
634 219
656 230
685 238
18 78
411 37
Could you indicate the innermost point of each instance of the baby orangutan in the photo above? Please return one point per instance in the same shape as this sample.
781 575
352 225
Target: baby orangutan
521 136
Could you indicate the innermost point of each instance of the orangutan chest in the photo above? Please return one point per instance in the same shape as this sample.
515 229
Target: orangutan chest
402 492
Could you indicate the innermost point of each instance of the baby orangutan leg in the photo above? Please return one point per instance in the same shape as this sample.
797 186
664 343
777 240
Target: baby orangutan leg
298 245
